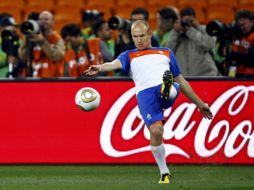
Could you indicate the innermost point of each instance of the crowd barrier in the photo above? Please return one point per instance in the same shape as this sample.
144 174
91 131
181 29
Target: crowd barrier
40 124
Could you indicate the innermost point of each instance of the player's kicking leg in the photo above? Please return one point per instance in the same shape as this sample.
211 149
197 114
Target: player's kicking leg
169 89
167 83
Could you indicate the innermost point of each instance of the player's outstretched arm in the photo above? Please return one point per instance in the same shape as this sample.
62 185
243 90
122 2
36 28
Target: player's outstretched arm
189 92
105 67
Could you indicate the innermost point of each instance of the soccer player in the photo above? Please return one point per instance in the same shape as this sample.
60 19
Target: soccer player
158 81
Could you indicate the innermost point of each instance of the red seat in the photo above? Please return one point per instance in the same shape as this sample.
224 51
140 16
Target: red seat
246 2
246 7
79 4
199 4
130 3
67 15
160 4
223 13
44 4
15 12
12 3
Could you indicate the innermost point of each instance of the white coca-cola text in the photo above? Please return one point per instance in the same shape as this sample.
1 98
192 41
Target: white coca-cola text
206 130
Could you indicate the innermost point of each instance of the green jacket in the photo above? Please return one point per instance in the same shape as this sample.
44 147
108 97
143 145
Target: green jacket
3 62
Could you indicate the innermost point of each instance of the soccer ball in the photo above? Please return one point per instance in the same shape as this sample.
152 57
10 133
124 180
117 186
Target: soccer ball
87 99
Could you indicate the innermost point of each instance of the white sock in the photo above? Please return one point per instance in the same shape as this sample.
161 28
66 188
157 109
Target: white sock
173 91
159 155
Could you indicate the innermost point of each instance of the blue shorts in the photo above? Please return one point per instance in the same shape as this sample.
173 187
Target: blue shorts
151 106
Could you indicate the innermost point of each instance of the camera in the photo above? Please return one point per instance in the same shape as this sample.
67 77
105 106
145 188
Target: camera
186 23
226 31
30 27
118 23
10 42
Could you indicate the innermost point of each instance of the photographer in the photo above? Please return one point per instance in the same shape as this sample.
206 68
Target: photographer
124 41
165 20
89 19
78 56
43 48
241 57
107 44
11 65
192 45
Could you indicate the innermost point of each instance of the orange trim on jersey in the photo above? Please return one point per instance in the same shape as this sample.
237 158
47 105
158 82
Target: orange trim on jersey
148 52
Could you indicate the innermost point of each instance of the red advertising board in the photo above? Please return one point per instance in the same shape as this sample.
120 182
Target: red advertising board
40 123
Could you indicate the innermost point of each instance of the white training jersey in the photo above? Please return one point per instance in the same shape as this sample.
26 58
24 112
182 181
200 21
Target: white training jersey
146 67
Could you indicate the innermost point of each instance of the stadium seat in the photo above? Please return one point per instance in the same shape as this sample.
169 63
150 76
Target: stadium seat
59 24
153 23
130 3
45 4
246 2
20 4
79 4
17 13
124 12
105 6
200 15
105 3
153 6
13 7
39 6
152 11
63 17
223 13
124 8
29 10
246 7
232 3
160 4
199 4
67 15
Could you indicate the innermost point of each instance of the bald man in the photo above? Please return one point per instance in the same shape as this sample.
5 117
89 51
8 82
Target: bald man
47 47
158 81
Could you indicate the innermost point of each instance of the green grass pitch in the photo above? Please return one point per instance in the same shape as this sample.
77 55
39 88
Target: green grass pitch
124 177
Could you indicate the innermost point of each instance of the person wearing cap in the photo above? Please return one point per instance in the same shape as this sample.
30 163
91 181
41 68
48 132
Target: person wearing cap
10 64
46 47
89 19
192 45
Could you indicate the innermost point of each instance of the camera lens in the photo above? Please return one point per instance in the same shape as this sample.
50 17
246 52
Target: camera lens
30 27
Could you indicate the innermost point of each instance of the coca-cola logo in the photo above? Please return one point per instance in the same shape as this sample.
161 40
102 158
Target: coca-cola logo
206 130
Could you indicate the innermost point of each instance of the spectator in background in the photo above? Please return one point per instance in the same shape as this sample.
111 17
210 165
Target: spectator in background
89 19
143 14
3 61
192 45
241 58
107 44
80 53
77 54
165 20
3 56
124 41
11 65
33 16
44 50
